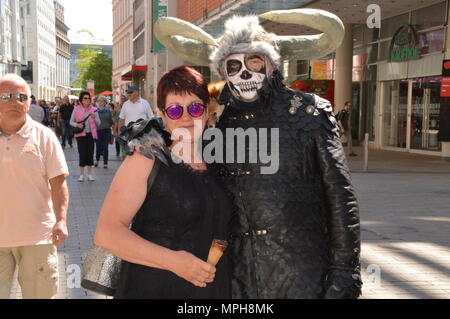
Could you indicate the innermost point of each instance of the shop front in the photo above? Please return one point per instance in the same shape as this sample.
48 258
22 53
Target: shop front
410 114
410 75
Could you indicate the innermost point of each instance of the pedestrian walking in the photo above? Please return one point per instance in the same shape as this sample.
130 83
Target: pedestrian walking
65 113
36 112
135 108
53 112
44 106
104 131
165 251
116 117
85 117
55 118
344 120
34 196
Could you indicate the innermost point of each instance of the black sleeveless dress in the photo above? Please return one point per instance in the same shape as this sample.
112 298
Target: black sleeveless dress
184 210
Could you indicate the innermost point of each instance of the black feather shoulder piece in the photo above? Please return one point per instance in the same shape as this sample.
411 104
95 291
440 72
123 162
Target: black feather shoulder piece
147 137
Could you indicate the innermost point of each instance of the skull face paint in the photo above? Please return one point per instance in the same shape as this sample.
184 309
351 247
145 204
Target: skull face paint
245 74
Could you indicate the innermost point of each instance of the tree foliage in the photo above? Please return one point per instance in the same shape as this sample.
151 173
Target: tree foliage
93 64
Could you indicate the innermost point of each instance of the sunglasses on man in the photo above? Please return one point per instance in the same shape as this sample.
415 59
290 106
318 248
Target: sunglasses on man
7 97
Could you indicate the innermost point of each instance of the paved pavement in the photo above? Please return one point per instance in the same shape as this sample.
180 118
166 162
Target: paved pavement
405 219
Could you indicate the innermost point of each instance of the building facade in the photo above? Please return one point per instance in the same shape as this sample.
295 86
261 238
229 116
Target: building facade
41 36
389 65
62 53
13 44
122 46
138 59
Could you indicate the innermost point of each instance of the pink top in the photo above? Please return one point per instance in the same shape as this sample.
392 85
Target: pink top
80 116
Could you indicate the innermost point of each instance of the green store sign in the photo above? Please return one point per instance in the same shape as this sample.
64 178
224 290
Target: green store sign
159 11
404 45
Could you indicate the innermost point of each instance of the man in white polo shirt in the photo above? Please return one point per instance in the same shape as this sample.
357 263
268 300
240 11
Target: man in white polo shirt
135 108
34 196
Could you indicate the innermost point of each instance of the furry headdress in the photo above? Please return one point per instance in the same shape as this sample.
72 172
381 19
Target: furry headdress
244 35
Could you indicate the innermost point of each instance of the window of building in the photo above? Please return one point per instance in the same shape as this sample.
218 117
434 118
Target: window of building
303 68
373 53
389 26
384 50
358 36
139 46
432 41
429 17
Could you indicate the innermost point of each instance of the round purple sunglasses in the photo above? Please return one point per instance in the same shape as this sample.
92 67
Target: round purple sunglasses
175 112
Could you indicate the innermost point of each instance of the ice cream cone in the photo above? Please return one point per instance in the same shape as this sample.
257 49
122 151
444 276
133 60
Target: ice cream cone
216 251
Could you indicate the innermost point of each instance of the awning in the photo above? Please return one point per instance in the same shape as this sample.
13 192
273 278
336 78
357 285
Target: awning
106 93
135 70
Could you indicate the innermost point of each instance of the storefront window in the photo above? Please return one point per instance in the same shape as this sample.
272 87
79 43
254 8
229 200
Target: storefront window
360 59
2 69
371 35
384 50
425 113
429 17
389 26
322 69
357 36
303 69
394 113
373 53
432 41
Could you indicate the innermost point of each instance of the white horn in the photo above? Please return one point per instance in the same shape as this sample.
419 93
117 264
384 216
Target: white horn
185 40
312 46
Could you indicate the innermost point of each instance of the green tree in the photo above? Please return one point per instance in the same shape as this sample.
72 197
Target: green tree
93 64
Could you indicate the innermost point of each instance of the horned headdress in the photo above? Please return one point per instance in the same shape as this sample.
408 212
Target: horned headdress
246 35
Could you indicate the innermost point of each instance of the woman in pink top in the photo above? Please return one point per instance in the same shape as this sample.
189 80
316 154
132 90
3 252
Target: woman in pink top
85 139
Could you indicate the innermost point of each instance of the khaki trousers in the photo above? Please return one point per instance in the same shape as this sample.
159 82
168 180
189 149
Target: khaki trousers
38 271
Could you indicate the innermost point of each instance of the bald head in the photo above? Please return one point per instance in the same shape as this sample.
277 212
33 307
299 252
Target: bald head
13 110
14 79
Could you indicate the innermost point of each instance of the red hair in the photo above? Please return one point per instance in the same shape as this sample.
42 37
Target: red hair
179 81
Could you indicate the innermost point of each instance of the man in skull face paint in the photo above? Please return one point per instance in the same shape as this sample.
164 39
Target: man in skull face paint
297 233
246 74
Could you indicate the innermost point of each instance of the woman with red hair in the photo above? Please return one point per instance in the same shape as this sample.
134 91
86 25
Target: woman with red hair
178 216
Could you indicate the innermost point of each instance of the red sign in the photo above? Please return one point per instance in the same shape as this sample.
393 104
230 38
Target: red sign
445 87
323 88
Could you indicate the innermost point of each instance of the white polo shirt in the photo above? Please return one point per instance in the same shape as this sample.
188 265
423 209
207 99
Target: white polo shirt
28 160
131 112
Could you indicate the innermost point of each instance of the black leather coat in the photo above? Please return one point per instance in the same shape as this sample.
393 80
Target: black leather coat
297 232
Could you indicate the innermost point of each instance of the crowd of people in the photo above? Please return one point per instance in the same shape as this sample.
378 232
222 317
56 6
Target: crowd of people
63 115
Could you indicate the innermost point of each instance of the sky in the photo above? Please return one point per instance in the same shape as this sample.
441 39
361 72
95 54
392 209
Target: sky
93 15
